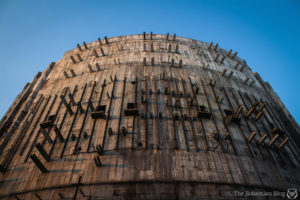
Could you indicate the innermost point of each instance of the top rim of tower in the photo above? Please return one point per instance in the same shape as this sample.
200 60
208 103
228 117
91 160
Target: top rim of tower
157 37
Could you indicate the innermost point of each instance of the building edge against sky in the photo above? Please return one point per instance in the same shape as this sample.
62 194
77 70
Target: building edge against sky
266 86
120 115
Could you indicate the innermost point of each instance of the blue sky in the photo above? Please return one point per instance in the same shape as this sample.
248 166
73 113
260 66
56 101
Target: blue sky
34 33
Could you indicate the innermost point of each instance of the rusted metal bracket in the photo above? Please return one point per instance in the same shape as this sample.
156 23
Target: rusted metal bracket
38 163
43 152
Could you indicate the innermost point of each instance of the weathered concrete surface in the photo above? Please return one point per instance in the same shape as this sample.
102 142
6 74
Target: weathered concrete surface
182 119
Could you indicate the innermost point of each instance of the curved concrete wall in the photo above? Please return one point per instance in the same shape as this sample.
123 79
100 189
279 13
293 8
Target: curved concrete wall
147 117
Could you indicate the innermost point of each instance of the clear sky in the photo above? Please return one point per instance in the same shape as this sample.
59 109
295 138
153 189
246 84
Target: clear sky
265 33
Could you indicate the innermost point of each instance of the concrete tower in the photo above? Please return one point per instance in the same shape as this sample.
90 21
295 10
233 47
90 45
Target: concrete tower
147 117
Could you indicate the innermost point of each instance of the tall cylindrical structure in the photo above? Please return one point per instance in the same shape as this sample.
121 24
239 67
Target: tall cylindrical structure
147 117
